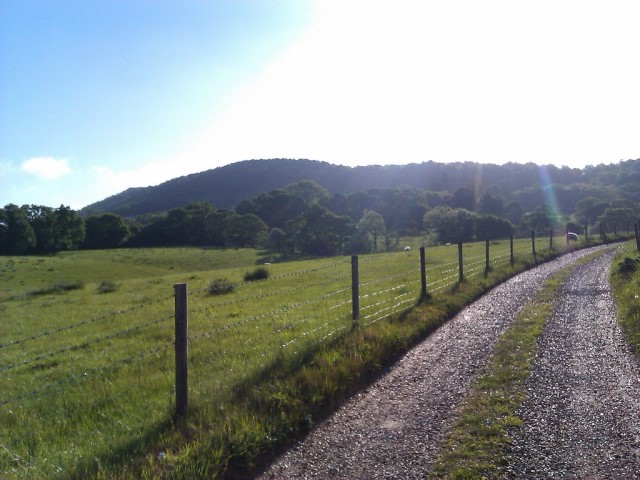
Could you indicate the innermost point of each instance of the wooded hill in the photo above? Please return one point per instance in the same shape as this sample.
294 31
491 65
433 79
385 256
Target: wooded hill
226 187
315 208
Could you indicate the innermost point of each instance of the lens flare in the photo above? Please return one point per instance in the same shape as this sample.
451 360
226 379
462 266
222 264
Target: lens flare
549 196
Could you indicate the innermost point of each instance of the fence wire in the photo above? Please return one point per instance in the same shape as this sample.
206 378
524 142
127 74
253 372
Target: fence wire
234 344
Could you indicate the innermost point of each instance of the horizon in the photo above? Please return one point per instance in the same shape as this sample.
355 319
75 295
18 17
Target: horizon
102 97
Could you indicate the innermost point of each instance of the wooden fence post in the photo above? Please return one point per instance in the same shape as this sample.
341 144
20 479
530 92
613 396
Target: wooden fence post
636 227
511 259
551 239
486 256
355 290
533 246
423 274
460 267
180 290
586 234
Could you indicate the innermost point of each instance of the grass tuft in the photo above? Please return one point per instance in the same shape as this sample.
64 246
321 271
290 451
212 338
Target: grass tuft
58 287
628 266
107 287
220 286
260 273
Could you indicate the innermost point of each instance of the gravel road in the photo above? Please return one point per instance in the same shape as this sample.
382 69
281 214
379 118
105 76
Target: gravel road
582 415
394 428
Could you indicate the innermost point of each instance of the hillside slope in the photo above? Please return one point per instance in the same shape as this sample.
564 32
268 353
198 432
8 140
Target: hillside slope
225 187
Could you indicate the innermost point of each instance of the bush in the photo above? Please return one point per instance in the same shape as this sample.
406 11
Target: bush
259 273
58 287
628 266
220 286
106 287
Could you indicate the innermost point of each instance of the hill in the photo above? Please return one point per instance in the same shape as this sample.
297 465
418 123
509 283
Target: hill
227 186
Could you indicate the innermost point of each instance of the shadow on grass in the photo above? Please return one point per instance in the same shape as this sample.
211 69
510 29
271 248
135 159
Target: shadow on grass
279 405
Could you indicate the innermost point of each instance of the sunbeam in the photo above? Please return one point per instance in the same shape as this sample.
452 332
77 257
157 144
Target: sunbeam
549 196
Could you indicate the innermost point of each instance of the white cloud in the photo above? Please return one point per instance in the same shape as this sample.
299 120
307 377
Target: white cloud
151 173
48 168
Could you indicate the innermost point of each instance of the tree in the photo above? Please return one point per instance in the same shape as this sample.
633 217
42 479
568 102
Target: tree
403 209
42 221
492 227
623 203
275 208
164 230
361 201
451 224
277 240
319 231
491 205
247 231
463 198
68 229
370 226
16 234
217 226
589 209
391 240
105 231
514 213
309 191
618 218
537 221
193 223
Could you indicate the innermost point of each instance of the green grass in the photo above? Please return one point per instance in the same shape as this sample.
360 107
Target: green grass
91 394
626 290
19 274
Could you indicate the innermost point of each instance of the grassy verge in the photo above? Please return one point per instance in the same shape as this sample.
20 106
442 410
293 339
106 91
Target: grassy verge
625 284
477 444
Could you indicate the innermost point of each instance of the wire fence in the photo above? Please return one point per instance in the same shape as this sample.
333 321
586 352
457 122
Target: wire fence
230 338
254 319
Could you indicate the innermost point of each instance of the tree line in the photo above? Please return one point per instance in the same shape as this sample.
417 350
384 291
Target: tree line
304 218
227 186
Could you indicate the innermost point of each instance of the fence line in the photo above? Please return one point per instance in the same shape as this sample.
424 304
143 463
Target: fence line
378 304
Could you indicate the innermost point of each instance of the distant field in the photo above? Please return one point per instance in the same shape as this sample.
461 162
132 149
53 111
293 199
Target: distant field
17 274
86 370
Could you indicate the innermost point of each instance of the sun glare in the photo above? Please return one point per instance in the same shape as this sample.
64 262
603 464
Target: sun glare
549 196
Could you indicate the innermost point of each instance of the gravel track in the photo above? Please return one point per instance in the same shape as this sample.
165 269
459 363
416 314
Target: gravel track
394 428
581 418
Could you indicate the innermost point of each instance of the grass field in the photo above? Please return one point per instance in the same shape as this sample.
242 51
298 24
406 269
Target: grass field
86 354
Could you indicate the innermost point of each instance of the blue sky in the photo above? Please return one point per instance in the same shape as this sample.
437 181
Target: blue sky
98 96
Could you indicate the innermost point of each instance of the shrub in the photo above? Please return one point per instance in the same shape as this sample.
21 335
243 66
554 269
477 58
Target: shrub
220 286
628 266
259 273
58 287
106 287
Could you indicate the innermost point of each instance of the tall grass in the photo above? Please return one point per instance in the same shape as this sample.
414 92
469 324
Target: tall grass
87 379
625 283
